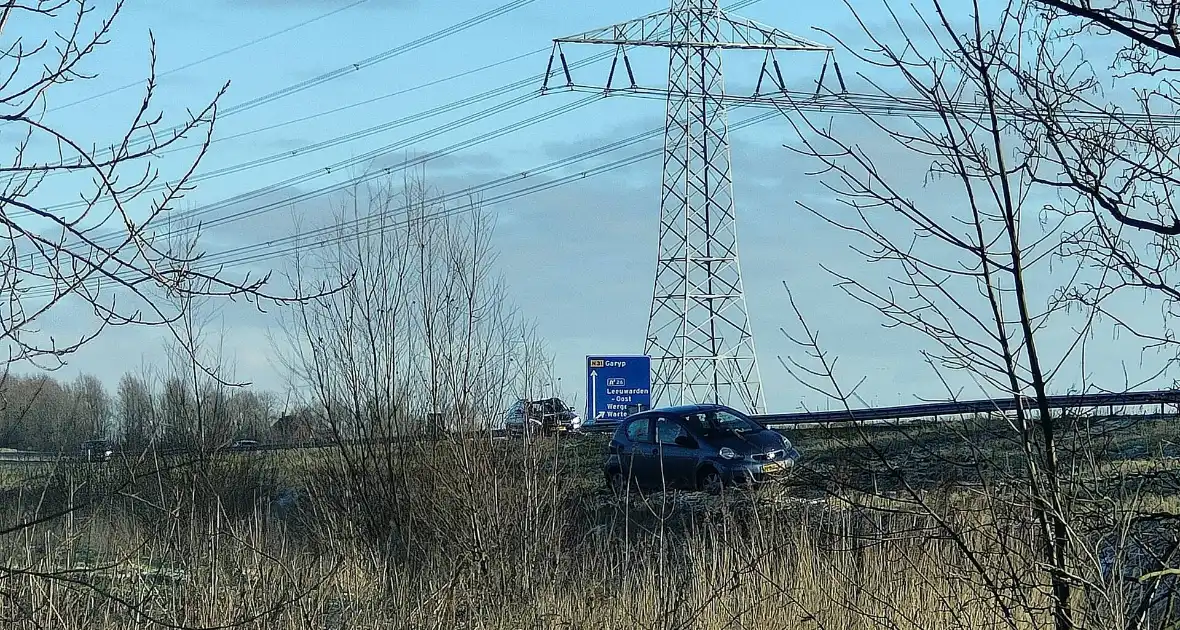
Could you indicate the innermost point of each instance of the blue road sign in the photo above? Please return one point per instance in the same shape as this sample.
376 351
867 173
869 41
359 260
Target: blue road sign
617 387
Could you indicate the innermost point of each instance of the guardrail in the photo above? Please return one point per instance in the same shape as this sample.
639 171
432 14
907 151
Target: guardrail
900 415
30 457
53 456
599 427
913 414
968 407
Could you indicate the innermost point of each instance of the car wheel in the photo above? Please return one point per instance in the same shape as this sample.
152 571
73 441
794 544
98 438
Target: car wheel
710 481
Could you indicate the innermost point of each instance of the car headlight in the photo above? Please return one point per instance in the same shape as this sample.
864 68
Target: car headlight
727 453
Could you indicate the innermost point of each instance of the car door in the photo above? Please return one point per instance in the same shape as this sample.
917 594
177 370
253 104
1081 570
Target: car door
676 461
638 457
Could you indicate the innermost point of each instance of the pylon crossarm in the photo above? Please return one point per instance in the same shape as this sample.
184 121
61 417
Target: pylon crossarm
747 30
733 32
651 27
688 44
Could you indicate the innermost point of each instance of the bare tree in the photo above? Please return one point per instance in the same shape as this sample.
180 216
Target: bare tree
86 240
94 249
94 408
199 388
38 413
423 337
137 413
1148 30
19 394
249 412
176 407
970 276
1109 145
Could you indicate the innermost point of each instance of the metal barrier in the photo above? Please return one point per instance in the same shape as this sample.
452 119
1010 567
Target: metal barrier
966 407
795 419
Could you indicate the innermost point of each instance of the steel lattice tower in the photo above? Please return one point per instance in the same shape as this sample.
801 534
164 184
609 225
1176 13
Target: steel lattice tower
698 333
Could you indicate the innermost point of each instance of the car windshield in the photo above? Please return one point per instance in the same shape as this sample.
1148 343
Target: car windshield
720 421
550 406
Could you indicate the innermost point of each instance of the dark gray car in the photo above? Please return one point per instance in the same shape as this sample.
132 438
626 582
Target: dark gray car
695 447
541 417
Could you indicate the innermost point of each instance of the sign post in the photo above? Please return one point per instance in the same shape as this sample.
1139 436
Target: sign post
616 387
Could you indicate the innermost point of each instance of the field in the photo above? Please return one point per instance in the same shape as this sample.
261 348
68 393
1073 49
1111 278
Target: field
880 528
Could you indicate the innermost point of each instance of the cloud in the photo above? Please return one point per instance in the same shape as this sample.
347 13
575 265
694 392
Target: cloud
579 259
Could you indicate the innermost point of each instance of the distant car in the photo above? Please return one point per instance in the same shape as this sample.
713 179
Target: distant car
244 444
695 447
96 450
546 417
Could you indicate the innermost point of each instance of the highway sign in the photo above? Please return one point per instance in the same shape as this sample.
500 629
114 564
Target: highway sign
616 387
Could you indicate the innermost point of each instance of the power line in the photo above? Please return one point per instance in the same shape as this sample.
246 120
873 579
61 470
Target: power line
845 103
378 153
319 235
368 101
350 68
882 105
393 52
333 142
502 131
310 148
848 103
237 168
217 55
113 237
271 249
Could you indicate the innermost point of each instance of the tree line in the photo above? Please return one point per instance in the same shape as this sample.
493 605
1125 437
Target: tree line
43 413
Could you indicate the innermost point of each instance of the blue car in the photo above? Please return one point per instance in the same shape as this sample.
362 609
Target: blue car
695 447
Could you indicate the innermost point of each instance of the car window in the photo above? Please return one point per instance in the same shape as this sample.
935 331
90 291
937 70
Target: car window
639 430
667 430
720 421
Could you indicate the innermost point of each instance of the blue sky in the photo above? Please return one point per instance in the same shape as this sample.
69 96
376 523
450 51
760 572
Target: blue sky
579 257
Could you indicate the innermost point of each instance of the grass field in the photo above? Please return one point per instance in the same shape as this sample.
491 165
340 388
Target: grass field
500 534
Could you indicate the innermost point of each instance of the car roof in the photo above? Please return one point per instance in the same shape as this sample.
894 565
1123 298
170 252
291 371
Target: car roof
676 410
689 409
544 400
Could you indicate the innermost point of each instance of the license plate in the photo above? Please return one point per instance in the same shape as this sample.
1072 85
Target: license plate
774 467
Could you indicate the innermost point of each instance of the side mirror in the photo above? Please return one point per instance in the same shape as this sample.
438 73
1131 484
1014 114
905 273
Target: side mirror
685 441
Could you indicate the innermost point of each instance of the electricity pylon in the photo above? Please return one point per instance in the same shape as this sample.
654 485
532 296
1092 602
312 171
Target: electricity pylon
698 332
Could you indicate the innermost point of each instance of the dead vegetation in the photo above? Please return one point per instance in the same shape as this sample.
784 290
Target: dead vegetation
541 544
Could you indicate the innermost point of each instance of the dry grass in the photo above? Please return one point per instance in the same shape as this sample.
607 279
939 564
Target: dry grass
720 574
497 535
